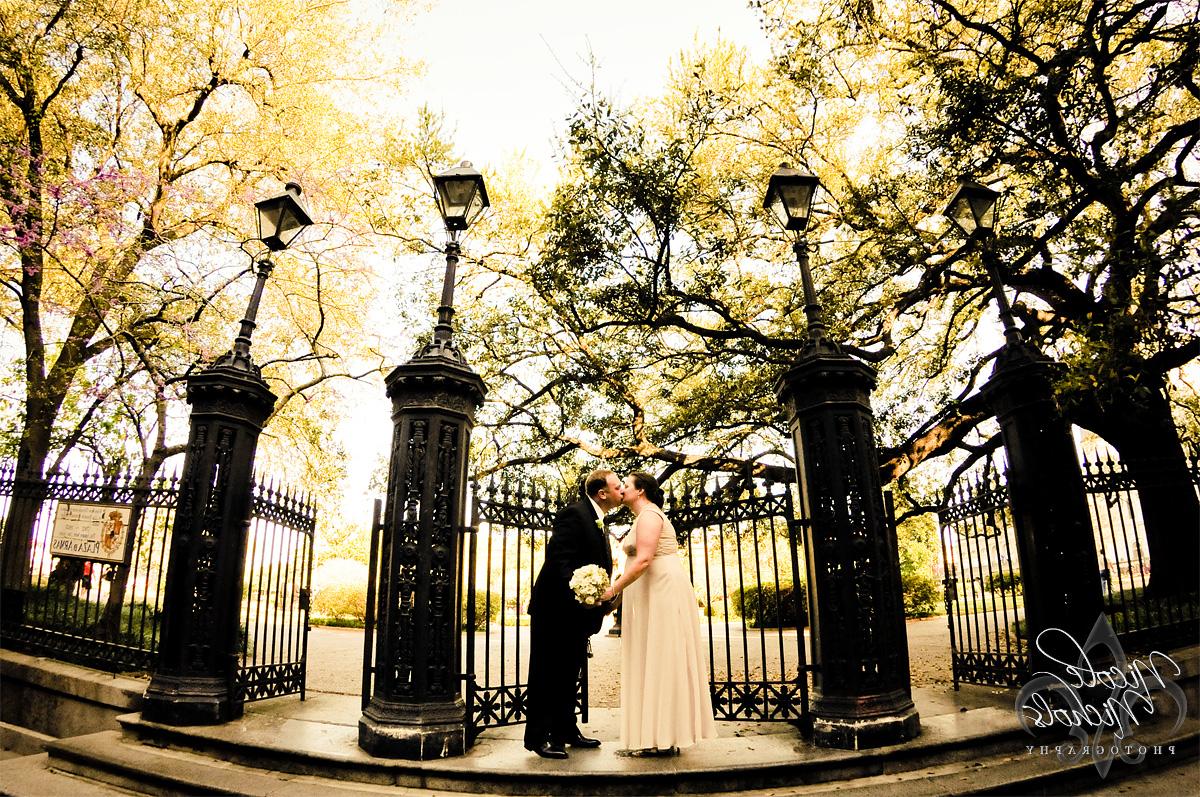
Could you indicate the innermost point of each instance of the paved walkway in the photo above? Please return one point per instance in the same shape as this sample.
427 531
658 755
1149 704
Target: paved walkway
335 659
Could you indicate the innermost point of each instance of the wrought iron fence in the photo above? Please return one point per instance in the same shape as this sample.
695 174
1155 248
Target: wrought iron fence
743 551
275 595
503 552
982 581
1140 619
106 614
983 586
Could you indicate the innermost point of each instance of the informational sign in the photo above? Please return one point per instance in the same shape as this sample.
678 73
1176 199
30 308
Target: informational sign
90 531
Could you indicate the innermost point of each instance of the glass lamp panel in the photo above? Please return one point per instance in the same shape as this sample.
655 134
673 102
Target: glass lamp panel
780 210
290 226
268 218
797 198
475 208
457 196
983 208
962 214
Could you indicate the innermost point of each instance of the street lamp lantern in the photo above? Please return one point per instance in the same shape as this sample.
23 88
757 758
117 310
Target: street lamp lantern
282 218
973 207
461 196
790 196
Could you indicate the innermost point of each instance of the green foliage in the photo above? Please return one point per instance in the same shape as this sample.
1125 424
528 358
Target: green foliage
336 622
922 595
347 601
764 606
1003 582
487 609
58 608
917 545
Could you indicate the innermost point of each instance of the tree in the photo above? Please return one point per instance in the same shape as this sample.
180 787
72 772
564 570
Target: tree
650 309
1088 114
136 138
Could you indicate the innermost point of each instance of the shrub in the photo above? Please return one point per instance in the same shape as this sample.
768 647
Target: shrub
773 608
347 601
1003 582
922 595
484 613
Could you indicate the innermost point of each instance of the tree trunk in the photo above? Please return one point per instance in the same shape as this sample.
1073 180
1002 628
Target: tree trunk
1144 433
109 626
28 490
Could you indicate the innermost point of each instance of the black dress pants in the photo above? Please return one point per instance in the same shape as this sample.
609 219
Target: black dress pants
556 658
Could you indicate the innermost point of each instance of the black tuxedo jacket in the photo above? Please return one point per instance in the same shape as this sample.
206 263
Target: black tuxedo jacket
576 541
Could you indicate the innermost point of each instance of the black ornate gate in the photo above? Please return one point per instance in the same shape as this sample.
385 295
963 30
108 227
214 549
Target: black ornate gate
984 595
743 548
511 522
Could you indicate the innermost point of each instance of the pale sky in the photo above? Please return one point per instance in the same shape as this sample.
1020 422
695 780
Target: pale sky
503 75
503 72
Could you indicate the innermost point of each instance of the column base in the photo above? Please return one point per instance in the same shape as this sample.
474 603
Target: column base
180 700
847 733
387 740
413 732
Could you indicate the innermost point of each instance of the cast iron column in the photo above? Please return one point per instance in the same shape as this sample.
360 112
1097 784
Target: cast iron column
415 709
1060 573
861 687
194 680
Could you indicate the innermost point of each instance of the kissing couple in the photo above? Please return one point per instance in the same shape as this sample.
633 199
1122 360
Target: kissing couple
665 699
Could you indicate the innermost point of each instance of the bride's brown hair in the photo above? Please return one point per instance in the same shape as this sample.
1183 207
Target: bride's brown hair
644 481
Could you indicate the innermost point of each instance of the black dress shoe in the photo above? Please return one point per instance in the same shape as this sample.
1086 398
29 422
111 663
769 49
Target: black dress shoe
549 750
583 741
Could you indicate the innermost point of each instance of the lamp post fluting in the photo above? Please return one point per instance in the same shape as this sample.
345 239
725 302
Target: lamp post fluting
1048 501
862 694
414 709
194 680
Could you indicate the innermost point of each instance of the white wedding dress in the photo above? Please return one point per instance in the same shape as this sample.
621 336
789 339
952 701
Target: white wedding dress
665 697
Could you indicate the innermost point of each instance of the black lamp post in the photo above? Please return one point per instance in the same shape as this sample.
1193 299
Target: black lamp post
415 709
862 694
790 195
461 198
194 681
973 209
1055 544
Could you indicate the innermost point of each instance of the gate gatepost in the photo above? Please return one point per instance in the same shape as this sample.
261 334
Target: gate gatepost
194 678
861 686
1055 543
193 681
416 710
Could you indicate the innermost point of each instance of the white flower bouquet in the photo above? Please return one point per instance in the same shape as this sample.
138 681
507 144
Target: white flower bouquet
589 583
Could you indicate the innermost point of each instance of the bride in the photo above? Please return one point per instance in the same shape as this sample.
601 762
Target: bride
665 698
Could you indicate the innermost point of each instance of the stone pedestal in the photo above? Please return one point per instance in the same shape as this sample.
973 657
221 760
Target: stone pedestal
861 687
1059 568
193 682
415 710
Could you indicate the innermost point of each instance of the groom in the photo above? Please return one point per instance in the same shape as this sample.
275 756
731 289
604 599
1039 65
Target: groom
559 625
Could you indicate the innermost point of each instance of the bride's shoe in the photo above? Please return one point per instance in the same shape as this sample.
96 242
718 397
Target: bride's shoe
649 752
